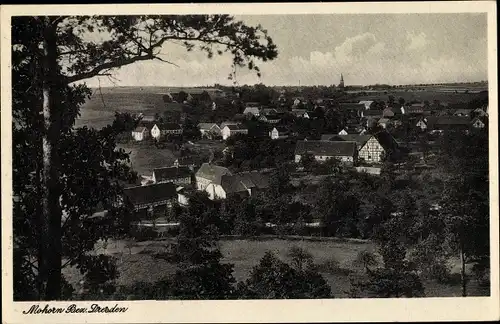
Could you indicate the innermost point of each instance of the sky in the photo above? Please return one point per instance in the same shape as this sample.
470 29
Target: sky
316 49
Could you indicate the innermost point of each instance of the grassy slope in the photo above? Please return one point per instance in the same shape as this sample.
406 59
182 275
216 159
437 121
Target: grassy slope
138 264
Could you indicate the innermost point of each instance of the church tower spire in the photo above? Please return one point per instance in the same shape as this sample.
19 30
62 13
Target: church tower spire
341 84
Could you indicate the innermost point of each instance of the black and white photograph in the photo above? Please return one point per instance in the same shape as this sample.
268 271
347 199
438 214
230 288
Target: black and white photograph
203 155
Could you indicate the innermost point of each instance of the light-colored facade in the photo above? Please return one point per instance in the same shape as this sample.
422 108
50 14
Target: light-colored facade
229 131
323 158
215 191
275 133
157 132
477 123
371 151
140 134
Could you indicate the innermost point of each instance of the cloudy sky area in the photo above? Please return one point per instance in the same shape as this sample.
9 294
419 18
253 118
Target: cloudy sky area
315 49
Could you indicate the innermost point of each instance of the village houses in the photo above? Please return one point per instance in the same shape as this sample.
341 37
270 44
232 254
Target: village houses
371 148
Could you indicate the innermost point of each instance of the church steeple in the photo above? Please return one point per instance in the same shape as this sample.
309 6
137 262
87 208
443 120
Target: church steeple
341 84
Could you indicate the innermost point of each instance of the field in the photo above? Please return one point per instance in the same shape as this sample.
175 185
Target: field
136 261
421 96
145 158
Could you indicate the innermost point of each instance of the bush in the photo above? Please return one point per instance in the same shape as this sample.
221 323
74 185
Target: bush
332 266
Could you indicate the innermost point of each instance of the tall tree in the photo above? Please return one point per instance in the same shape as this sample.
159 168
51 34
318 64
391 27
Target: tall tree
51 53
275 279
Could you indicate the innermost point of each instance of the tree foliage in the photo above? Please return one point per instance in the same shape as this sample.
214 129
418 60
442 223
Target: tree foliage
275 279
50 55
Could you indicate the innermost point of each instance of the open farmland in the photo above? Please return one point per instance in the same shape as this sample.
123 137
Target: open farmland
99 110
421 96
136 262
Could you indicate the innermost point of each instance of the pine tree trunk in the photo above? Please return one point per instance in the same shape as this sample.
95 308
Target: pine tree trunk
462 272
50 270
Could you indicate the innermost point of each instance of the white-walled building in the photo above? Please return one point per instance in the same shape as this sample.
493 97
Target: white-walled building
231 130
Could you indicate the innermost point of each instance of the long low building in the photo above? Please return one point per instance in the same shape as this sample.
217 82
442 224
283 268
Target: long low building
151 199
344 151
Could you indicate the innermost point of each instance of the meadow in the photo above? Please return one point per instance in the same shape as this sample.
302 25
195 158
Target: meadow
335 258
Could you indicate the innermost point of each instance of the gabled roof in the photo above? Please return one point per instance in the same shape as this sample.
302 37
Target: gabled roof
168 126
281 129
236 127
140 129
384 120
243 181
212 172
386 140
251 110
272 117
267 111
169 173
447 121
359 139
207 126
151 193
326 148
229 122
463 111
146 123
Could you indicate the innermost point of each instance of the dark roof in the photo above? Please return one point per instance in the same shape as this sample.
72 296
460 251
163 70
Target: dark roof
326 137
168 126
212 172
236 127
463 111
169 173
386 140
272 117
351 106
146 123
447 120
244 181
190 160
326 148
151 193
206 126
359 139
281 129
140 129
267 111
373 112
